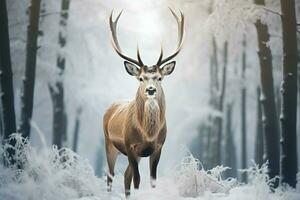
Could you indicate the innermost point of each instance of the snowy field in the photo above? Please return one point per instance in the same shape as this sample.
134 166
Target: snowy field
53 174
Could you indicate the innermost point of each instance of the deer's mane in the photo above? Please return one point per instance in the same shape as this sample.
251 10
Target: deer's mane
150 115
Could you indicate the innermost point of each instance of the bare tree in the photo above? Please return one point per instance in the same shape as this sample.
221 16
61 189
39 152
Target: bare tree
259 138
6 79
59 115
217 102
57 90
1 121
221 98
29 77
213 153
76 129
230 150
289 94
243 115
270 118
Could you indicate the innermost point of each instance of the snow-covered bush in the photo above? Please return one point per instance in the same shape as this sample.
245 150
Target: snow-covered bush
48 173
52 174
192 180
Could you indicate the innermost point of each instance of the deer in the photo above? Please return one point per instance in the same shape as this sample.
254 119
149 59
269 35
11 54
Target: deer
138 128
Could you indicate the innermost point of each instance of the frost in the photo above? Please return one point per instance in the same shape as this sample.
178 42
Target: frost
46 174
52 174
232 16
193 182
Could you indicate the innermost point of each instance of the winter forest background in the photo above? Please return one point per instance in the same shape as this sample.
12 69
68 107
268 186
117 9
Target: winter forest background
224 99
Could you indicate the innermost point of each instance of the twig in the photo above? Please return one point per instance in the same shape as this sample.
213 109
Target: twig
271 11
50 13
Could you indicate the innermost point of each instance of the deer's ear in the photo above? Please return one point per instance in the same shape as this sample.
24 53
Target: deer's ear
168 68
132 69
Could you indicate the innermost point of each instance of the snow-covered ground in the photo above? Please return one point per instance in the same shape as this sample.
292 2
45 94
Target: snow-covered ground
53 174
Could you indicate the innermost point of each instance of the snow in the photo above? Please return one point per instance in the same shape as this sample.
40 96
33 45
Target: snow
50 173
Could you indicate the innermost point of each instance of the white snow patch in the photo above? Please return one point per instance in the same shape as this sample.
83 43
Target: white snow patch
52 174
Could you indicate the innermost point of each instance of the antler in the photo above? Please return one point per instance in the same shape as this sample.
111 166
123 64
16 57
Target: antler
180 23
115 43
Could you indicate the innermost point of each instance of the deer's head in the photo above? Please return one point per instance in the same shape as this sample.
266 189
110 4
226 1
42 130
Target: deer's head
150 77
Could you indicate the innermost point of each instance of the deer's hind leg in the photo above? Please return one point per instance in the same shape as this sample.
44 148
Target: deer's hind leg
111 156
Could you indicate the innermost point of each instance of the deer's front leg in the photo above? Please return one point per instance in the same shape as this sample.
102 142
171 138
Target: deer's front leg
127 180
133 162
153 162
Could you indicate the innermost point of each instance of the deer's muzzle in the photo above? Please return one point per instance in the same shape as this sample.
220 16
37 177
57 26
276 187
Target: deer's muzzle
150 91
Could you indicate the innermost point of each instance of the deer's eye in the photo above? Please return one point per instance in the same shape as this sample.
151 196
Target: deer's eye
141 79
159 79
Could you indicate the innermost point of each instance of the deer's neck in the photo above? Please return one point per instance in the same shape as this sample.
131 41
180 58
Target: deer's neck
150 115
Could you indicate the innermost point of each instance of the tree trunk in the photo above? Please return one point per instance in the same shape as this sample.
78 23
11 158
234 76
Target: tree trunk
6 80
270 119
29 77
259 138
289 94
230 151
243 116
59 115
221 105
1 121
57 91
76 129
213 151
217 101
207 143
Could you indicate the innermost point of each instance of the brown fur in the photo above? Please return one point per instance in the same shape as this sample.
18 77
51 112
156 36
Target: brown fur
136 129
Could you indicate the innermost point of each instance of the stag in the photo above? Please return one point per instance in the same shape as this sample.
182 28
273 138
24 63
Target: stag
138 128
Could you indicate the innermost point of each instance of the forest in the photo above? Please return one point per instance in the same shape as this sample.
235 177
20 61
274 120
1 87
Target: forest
232 100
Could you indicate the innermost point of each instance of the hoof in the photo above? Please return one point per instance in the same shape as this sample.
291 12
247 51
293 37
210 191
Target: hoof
109 188
153 183
127 193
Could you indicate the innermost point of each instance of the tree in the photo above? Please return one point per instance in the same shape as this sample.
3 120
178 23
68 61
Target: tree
259 138
270 118
243 115
213 156
57 89
206 131
221 102
230 150
213 151
289 94
1 122
29 77
217 102
6 80
76 129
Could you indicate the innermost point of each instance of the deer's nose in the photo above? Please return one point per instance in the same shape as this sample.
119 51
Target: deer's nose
150 90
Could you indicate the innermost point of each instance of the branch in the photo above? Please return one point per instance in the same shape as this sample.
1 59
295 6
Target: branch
272 11
50 13
275 36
